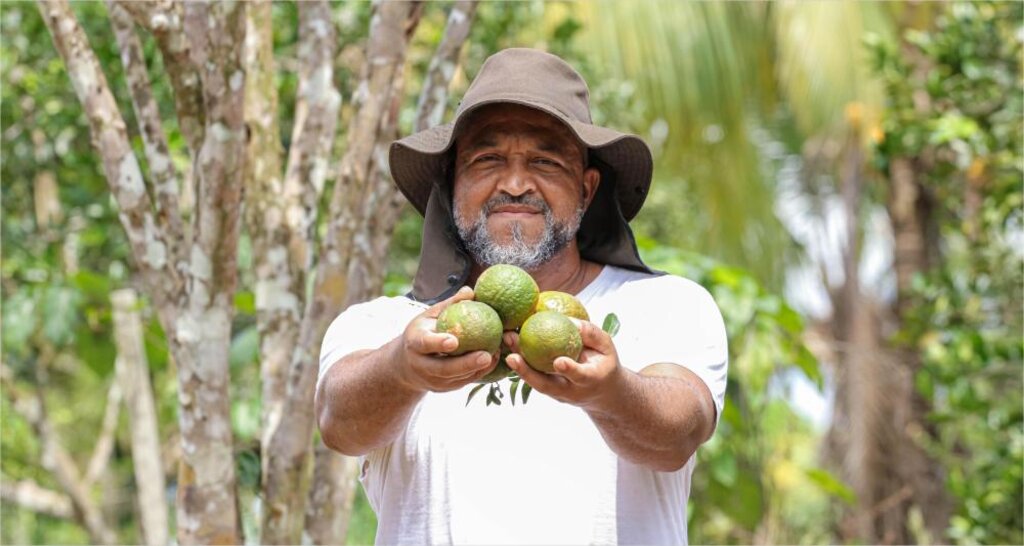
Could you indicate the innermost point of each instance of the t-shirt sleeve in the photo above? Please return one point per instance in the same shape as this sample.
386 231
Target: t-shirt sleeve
692 334
365 326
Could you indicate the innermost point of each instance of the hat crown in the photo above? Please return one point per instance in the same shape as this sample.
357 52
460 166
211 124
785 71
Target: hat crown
531 76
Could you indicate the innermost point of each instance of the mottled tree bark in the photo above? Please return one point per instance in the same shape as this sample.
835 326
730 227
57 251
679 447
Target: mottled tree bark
331 496
165 20
333 490
207 506
148 243
188 270
278 283
162 172
283 212
133 375
287 478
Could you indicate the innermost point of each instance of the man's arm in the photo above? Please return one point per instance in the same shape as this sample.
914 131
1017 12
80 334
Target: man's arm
656 418
361 404
364 400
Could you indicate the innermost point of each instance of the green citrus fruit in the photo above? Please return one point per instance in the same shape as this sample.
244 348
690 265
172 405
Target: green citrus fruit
546 336
475 324
511 291
566 304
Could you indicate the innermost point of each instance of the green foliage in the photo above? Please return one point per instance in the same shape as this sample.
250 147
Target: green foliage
751 470
962 125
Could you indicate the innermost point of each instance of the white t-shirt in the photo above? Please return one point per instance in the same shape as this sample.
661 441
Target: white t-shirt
538 473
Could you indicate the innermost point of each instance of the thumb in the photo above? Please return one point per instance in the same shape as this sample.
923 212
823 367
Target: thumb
594 337
464 293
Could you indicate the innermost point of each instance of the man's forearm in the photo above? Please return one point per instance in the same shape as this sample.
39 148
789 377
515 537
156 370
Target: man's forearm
653 420
361 404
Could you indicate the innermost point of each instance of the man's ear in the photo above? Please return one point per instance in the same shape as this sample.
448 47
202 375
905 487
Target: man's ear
591 180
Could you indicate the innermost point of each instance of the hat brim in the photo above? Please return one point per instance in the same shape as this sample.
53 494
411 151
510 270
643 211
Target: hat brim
417 161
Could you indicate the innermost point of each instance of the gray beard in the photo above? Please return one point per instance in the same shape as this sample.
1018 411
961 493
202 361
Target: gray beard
518 252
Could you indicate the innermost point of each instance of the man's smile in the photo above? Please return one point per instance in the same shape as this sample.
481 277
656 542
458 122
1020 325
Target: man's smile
514 211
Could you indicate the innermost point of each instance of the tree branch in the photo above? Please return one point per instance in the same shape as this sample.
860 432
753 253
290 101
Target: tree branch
133 376
56 459
383 204
110 138
390 28
105 444
316 116
28 494
161 168
207 508
279 284
164 19
283 216
434 96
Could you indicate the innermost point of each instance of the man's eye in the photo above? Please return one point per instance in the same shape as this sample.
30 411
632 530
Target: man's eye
486 158
545 162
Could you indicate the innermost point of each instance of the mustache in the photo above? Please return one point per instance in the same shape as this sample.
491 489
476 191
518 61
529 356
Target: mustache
525 199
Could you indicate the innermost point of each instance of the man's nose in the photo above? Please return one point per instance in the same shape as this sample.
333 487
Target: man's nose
517 180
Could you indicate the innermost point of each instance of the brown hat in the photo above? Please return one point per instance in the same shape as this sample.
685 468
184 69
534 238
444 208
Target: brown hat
538 80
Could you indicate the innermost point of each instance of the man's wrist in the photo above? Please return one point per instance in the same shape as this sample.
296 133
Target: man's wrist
608 399
398 369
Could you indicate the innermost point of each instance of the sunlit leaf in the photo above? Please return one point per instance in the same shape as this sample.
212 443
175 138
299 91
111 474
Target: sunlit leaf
831 485
611 324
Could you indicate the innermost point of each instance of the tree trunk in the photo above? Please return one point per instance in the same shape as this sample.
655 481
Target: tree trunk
281 213
331 496
133 376
207 501
863 432
910 212
287 477
332 493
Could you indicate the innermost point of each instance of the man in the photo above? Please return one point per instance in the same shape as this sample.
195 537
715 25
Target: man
605 452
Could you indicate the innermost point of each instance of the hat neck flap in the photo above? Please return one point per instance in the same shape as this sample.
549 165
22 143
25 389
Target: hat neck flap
444 265
605 236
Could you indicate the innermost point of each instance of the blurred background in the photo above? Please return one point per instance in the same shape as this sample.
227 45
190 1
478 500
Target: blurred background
844 177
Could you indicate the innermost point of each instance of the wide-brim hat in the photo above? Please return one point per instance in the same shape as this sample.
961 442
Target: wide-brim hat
535 79
419 164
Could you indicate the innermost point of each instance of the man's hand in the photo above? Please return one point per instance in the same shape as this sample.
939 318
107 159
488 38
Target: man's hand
422 362
582 383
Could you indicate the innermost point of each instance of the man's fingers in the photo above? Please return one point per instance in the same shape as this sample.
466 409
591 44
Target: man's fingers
464 293
459 367
511 340
575 372
594 337
545 383
426 342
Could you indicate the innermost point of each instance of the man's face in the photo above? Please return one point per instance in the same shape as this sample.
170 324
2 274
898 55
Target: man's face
520 186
